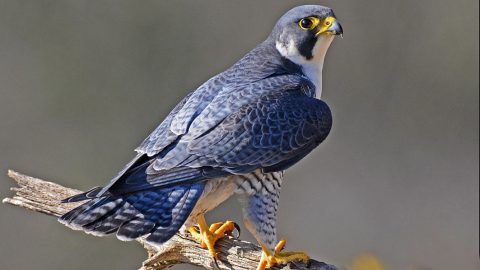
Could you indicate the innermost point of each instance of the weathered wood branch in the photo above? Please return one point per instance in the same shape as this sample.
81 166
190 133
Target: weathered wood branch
42 196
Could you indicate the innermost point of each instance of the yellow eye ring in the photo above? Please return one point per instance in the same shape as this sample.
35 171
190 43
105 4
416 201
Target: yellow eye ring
308 23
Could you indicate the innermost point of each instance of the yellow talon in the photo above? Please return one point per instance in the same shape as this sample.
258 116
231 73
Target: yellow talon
269 260
208 236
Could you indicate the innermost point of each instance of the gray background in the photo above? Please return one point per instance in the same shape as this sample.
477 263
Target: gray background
83 82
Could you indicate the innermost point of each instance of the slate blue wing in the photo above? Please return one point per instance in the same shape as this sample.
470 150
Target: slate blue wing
271 130
269 125
271 133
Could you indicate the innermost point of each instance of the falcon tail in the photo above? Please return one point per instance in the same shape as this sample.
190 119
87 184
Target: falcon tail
158 212
91 194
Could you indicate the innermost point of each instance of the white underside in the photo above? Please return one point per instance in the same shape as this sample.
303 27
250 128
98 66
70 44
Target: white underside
215 192
312 68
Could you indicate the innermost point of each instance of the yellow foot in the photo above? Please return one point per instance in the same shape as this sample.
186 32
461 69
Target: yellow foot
269 260
208 236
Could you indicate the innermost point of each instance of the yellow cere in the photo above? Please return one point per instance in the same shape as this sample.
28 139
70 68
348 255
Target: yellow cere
325 25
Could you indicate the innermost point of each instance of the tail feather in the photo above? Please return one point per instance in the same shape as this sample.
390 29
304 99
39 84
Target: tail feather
159 212
179 215
92 193
65 219
75 214
110 222
134 228
100 209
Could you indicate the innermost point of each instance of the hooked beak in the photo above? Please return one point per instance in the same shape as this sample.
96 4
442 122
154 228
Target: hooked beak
335 29
330 27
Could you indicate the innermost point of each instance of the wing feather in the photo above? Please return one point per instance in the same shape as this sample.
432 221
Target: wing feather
268 124
279 127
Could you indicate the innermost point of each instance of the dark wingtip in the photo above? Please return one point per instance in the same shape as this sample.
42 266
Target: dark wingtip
92 193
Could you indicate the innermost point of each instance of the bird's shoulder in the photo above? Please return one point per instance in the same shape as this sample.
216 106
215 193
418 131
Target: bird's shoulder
214 100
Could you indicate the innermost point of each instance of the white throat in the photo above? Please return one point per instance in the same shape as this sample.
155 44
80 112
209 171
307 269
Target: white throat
312 68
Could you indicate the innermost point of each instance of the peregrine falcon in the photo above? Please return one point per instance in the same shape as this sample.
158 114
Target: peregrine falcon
235 134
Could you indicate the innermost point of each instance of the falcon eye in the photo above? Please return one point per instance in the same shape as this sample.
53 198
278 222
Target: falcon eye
308 23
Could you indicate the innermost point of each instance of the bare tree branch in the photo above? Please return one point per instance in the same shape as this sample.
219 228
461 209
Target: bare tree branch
45 197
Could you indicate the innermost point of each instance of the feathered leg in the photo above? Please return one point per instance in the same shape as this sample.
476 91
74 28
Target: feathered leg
260 204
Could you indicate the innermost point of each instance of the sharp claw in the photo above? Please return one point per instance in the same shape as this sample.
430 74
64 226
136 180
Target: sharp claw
237 227
232 232
216 262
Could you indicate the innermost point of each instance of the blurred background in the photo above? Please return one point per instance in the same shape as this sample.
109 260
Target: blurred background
82 83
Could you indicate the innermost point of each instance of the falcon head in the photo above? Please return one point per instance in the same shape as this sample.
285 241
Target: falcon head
303 35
